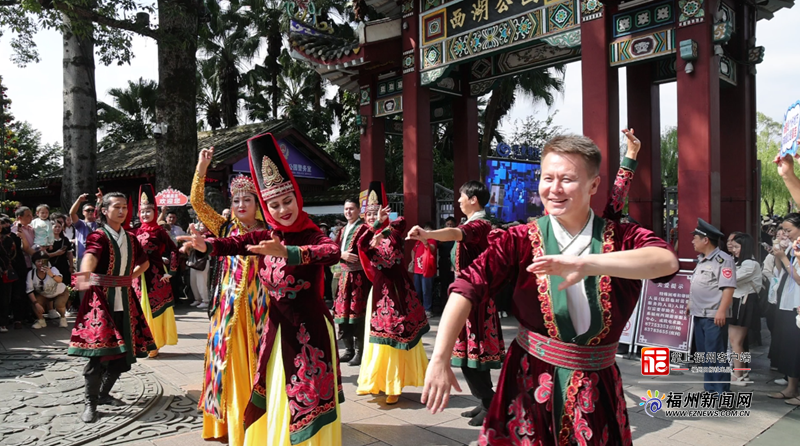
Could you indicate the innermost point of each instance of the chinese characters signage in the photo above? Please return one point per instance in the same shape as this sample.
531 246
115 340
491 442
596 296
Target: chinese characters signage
662 317
171 197
790 125
472 28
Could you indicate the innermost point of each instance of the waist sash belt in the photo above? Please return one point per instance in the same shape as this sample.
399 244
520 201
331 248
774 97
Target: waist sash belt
106 281
349 267
565 355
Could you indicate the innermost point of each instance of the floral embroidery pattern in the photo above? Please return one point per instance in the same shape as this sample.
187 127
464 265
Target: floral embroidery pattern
545 391
622 414
314 378
520 423
582 394
491 345
622 185
279 284
604 287
543 282
385 317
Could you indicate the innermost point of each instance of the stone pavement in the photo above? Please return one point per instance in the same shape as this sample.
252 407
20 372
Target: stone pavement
368 421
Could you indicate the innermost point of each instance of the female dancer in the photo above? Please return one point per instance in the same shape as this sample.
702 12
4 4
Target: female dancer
153 288
298 372
394 357
238 311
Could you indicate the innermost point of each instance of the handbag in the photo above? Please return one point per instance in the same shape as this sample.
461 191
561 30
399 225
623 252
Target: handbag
196 262
10 275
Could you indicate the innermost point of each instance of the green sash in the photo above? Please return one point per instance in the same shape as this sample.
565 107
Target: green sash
118 269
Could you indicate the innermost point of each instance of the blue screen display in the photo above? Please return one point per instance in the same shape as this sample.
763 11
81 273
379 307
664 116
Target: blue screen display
514 190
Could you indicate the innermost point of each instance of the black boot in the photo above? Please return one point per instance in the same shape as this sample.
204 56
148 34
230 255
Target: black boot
105 396
358 339
91 392
347 339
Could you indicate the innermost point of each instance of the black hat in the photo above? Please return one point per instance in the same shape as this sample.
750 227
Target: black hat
38 255
376 196
272 175
706 229
147 196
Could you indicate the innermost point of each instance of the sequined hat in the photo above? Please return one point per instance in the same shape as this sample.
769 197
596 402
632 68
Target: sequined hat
272 175
147 196
376 196
242 184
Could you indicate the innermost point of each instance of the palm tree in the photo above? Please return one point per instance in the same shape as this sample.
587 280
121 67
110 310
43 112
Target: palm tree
132 116
209 98
228 43
536 85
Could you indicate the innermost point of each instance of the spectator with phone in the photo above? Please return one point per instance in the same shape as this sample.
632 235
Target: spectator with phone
45 287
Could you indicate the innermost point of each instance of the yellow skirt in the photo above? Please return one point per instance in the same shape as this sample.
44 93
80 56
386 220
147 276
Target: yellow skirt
273 428
237 387
387 369
164 329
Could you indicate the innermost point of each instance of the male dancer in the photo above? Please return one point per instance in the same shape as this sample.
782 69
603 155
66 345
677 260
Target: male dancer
479 347
110 328
350 304
577 279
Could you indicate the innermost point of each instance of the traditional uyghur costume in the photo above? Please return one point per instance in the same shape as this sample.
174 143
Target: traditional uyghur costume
297 388
155 295
238 312
350 304
110 328
394 357
560 383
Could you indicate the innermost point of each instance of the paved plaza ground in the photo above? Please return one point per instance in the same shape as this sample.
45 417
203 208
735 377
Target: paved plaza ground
39 383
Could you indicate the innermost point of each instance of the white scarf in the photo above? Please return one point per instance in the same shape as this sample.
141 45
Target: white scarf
577 301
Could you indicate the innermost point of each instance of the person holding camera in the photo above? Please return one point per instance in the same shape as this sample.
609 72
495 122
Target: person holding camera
45 285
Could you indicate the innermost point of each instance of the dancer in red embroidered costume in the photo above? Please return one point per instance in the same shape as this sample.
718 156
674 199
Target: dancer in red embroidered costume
394 357
350 303
110 328
153 287
298 375
479 347
577 279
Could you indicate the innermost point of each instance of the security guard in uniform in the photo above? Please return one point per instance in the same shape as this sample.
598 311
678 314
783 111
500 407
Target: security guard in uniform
710 299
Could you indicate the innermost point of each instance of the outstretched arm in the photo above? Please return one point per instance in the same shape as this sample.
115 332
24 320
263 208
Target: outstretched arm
210 218
622 184
73 211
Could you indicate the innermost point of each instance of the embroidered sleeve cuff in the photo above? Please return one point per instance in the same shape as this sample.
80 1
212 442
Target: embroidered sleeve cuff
629 164
294 255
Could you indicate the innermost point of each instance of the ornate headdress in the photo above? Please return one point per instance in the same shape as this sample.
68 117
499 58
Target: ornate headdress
242 184
147 196
376 196
273 179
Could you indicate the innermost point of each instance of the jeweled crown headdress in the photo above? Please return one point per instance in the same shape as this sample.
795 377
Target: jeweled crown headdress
272 182
242 184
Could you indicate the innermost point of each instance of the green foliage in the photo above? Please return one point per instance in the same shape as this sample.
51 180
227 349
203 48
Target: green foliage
534 132
9 142
348 143
34 159
669 157
132 116
775 198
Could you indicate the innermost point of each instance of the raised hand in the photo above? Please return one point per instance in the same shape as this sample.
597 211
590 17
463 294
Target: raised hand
99 195
272 248
376 240
633 143
83 198
81 280
785 165
194 240
568 267
166 277
204 159
383 214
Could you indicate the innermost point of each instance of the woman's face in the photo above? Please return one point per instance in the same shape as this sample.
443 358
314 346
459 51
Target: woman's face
734 248
284 209
58 226
791 231
147 214
371 217
41 263
729 242
244 207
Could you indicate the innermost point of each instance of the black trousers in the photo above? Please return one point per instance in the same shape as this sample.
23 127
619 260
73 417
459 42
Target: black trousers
118 366
480 384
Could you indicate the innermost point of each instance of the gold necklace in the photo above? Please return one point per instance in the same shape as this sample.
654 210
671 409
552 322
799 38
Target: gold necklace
250 228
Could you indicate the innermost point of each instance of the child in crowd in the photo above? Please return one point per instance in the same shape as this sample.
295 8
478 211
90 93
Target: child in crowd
42 227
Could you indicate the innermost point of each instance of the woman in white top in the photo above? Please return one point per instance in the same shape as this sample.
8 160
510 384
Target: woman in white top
44 286
745 298
787 333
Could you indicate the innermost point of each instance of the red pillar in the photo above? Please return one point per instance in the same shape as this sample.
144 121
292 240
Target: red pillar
698 133
739 210
645 200
373 140
466 158
417 151
600 101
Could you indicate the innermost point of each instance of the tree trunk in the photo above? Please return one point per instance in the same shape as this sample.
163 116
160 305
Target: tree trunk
80 117
177 87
